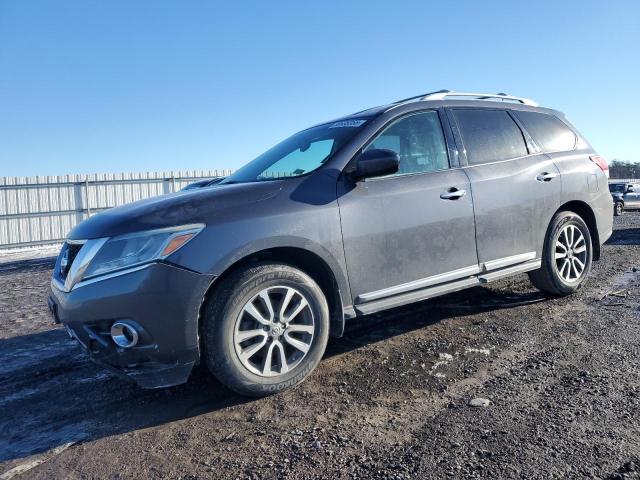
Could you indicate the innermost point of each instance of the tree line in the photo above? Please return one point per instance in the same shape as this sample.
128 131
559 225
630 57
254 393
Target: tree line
622 169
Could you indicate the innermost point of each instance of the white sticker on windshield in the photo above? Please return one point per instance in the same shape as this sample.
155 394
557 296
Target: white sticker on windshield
347 123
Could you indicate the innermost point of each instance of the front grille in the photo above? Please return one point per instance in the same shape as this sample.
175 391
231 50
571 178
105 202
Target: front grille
67 257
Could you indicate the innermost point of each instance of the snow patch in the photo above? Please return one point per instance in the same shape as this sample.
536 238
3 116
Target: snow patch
482 351
443 359
28 253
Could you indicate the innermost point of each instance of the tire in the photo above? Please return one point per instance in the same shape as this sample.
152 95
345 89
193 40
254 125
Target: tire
239 307
618 209
552 276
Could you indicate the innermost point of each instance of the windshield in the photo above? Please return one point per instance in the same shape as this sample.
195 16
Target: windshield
298 155
616 187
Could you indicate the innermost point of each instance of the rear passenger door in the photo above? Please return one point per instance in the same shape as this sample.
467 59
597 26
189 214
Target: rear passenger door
515 190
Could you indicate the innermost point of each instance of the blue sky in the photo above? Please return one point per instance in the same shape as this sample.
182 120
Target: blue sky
109 86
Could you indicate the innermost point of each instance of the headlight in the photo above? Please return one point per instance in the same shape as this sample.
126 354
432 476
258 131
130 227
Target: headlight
133 249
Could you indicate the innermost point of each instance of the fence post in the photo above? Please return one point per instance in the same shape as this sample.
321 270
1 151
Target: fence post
86 196
78 201
166 185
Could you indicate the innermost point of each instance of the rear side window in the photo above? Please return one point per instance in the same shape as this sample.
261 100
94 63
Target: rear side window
489 135
548 131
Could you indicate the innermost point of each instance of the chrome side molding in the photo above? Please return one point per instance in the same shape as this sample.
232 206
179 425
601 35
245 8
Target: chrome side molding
438 284
421 283
506 261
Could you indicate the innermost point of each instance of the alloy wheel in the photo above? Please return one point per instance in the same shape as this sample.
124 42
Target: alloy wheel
570 253
274 331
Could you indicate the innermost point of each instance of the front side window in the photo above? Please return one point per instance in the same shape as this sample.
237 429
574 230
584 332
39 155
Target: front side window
548 131
489 135
298 155
419 142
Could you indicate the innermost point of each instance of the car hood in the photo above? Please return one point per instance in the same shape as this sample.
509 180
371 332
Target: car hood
181 208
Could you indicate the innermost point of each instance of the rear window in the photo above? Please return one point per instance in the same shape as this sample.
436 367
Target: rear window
549 132
489 135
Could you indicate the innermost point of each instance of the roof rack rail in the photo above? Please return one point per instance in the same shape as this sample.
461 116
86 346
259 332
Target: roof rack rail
443 94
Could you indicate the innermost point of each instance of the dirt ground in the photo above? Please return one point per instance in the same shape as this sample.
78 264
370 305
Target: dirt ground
390 399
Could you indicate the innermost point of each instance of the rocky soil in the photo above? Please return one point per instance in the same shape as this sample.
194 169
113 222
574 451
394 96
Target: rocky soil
493 382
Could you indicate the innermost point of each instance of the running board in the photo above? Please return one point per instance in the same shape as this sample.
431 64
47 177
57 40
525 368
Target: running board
415 296
505 272
425 293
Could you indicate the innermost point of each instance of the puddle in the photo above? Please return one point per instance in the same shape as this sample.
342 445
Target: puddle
95 378
23 352
33 442
22 394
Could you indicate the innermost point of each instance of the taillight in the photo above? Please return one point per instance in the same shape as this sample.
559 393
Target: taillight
601 162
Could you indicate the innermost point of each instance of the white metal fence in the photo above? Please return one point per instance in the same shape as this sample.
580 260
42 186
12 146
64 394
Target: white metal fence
42 210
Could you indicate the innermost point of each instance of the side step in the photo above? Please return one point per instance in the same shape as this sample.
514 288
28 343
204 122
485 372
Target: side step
505 272
444 288
415 296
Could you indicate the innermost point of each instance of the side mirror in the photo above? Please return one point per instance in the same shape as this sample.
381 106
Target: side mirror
376 163
630 188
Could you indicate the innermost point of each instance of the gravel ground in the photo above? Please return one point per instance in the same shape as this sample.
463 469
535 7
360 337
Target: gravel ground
556 381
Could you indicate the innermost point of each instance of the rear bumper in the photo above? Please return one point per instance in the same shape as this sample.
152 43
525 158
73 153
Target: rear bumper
602 207
163 303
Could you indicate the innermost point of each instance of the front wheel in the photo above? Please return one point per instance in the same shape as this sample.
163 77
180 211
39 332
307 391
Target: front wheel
618 208
566 255
266 329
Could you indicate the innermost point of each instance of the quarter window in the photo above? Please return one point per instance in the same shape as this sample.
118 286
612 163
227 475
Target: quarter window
489 135
549 132
419 142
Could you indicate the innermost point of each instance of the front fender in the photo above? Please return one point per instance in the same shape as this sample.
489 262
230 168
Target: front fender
335 264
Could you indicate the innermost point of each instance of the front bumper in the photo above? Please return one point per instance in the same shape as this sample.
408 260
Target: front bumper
162 301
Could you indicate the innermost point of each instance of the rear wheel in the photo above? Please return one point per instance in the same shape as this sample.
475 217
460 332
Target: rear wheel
266 329
566 255
618 208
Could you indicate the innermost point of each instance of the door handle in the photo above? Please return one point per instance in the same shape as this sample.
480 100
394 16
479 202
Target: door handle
453 194
546 177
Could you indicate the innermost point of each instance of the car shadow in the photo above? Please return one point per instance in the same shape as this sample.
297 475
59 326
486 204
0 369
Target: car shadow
51 394
625 236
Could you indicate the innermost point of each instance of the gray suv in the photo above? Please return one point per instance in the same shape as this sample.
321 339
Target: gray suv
626 196
385 207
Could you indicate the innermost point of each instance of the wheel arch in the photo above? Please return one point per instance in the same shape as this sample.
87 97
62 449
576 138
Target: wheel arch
586 213
309 262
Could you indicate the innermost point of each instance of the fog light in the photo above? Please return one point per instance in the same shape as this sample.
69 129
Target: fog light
124 334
